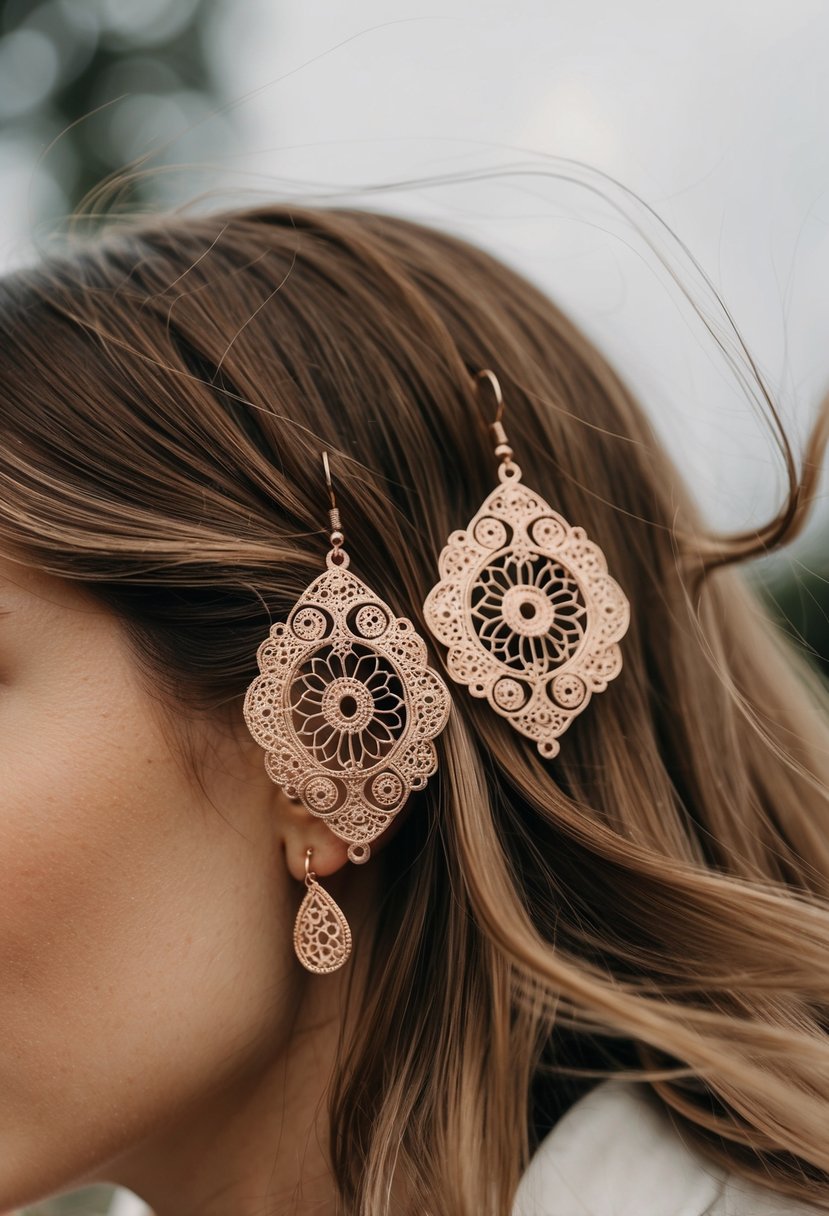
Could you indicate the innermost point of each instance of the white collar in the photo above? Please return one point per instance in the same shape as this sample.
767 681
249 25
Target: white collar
616 1152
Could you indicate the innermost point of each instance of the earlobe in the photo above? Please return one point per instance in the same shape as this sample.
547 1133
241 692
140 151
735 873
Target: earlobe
302 831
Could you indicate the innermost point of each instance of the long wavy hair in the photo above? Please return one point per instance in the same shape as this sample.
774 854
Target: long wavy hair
654 901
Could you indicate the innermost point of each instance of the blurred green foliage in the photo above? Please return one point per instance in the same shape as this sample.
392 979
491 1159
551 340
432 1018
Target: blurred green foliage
107 81
797 594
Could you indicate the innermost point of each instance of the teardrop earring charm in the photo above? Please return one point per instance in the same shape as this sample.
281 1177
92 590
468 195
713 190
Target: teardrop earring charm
322 936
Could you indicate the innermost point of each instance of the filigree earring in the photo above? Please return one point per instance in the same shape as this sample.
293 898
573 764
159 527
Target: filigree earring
526 606
346 708
322 935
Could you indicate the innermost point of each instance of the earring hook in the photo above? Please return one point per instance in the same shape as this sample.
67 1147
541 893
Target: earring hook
496 427
496 388
337 535
327 467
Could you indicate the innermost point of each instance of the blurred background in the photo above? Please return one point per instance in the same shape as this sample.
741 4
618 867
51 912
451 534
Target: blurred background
620 155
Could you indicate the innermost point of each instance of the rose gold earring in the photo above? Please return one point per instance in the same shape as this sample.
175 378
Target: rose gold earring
322 935
526 606
346 708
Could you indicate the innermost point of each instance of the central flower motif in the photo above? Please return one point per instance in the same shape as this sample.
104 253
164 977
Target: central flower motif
528 611
348 706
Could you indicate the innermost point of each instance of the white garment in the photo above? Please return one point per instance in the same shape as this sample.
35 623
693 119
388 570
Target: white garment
615 1152
124 1203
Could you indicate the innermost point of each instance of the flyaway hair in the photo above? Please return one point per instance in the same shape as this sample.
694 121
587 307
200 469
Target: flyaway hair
652 901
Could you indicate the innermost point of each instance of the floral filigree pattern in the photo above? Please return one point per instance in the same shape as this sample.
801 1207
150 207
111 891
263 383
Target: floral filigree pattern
528 610
322 935
346 706
349 706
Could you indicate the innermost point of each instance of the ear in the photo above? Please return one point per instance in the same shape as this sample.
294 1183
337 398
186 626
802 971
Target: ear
300 830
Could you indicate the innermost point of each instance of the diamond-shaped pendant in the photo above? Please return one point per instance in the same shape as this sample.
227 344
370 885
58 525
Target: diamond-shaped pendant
346 706
528 610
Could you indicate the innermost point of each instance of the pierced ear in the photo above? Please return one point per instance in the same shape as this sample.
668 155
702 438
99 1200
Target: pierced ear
301 831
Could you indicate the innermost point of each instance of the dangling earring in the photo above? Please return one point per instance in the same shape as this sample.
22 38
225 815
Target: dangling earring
526 606
346 708
322 935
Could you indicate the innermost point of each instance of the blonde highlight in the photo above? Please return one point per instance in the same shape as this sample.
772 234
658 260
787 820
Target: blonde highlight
654 901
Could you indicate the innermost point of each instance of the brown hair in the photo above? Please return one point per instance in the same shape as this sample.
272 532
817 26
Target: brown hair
656 897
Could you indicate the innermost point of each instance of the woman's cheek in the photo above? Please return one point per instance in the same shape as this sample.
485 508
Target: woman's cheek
81 808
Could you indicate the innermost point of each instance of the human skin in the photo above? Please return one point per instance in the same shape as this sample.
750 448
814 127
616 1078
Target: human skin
158 1031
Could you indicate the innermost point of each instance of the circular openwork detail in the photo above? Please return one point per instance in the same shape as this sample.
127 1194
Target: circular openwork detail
349 707
490 533
321 793
308 624
386 789
528 611
371 621
548 533
509 693
568 689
